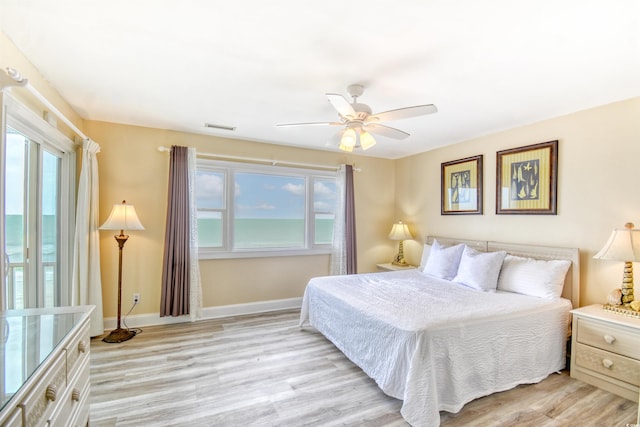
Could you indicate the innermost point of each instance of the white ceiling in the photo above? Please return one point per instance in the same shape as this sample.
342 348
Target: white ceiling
487 65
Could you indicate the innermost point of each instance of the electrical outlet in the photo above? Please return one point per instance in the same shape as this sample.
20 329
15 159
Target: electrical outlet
136 298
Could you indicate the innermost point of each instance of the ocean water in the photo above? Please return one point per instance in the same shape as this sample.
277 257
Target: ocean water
262 233
14 238
249 233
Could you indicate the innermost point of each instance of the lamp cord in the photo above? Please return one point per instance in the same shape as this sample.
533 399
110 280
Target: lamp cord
136 330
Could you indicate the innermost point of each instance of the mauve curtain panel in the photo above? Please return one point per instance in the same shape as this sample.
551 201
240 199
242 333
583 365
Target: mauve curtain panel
174 299
350 222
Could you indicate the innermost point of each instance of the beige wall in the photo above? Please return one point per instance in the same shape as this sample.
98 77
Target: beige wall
11 57
597 190
132 169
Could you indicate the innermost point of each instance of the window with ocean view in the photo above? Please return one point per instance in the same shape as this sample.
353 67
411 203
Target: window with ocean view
245 209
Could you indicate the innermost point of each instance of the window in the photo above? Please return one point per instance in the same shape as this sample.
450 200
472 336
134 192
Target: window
252 210
38 192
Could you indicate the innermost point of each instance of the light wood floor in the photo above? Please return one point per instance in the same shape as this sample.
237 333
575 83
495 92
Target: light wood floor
263 370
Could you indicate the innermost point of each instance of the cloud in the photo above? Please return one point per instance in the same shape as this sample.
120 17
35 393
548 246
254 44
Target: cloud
265 207
323 207
322 188
209 185
295 189
261 206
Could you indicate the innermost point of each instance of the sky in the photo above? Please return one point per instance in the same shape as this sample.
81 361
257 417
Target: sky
15 169
264 195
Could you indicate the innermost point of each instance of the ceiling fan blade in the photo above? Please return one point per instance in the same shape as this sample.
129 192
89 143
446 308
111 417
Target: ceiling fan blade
343 106
311 124
387 131
403 113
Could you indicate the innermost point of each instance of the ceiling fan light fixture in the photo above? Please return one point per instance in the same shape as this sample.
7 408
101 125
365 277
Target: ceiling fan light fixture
367 140
349 138
355 117
345 148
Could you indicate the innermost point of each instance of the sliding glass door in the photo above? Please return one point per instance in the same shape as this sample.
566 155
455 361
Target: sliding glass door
38 177
32 225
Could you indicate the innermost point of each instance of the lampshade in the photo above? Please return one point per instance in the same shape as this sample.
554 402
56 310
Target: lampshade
400 231
345 148
623 245
122 217
348 140
366 140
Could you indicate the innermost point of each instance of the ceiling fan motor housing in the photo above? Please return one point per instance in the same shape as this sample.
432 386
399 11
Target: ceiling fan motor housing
355 90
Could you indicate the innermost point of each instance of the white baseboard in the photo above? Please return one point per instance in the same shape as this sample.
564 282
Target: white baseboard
153 319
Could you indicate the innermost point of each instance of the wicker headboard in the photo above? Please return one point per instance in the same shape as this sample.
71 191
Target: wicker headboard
571 290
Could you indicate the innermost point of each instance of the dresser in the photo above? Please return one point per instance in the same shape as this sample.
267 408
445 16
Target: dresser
605 350
44 358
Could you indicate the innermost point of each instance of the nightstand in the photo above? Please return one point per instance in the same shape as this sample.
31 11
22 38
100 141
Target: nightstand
392 267
605 350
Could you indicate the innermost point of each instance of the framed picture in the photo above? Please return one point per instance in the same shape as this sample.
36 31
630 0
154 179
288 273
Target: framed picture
527 179
461 187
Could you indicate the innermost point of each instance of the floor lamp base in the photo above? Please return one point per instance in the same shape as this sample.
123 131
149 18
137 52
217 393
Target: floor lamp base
119 335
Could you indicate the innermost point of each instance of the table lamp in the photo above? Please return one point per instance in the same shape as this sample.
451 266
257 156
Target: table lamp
623 245
400 232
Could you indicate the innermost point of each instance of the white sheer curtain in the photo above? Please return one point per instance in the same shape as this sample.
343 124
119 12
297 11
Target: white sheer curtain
338 264
86 282
195 286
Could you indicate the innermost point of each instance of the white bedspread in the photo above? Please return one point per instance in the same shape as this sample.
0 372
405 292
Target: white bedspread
435 344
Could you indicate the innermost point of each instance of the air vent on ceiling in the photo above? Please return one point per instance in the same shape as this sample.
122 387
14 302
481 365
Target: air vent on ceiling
221 127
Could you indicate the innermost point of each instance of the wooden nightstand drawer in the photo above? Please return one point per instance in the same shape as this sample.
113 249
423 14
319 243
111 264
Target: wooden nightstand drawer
606 350
616 340
609 364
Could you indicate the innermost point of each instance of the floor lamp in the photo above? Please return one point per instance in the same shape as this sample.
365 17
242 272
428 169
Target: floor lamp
122 217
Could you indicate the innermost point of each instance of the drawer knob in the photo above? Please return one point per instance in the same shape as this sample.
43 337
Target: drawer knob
82 347
607 363
52 391
75 395
609 339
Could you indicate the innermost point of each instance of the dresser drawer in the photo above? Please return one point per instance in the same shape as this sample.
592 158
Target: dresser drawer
14 419
78 351
74 399
616 340
609 364
46 394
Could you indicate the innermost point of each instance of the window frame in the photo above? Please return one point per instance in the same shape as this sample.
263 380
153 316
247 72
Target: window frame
229 170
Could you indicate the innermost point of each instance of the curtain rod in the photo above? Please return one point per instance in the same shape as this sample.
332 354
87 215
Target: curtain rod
22 82
259 160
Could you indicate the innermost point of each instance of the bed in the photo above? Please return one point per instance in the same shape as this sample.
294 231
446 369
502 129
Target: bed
437 344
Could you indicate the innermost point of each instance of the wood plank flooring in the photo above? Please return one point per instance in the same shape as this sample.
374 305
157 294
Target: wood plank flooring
263 370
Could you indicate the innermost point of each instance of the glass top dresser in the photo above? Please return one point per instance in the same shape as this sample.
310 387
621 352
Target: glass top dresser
44 366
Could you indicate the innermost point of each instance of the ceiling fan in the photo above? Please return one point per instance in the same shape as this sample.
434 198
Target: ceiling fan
359 122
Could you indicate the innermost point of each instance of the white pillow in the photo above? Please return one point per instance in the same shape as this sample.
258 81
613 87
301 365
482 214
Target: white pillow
443 262
537 278
479 270
426 250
